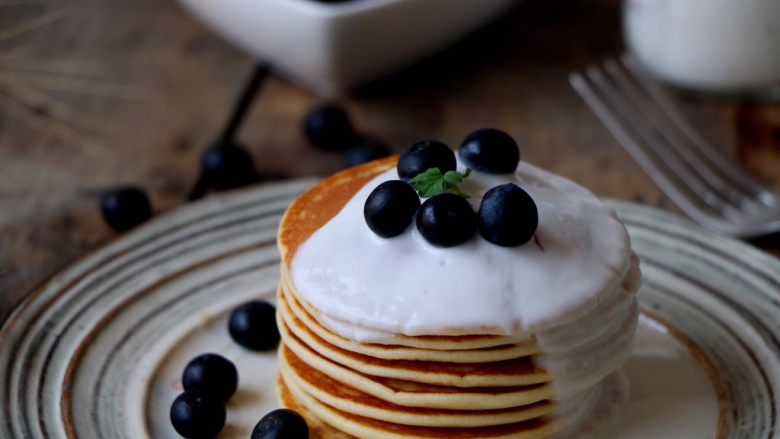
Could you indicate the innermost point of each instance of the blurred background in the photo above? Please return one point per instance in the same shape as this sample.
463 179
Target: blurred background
96 94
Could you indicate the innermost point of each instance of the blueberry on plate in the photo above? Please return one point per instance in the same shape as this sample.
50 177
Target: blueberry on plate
425 155
194 416
490 150
125 208
390 208
365 151
253 326
227 166
281 424
328 127
446 220
211 375
508 216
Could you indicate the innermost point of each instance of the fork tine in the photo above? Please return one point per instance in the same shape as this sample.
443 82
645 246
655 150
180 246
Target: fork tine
680 146
677 190
654 144
713 156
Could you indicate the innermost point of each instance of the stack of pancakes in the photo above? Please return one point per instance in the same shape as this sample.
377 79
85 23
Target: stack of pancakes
445 386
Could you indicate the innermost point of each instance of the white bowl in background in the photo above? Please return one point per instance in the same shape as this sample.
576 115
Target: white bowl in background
334 47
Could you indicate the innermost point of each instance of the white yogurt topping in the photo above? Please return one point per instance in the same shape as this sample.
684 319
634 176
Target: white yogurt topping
366 286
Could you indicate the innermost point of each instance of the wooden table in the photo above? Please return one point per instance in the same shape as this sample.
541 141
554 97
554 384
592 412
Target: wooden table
96 93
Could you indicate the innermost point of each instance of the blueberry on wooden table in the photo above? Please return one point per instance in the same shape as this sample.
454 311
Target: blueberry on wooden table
446 220
390 208
490 150
425 155
366 150
328 127
227 165
211 375
508 216
281 424
125 208
195 416
253 326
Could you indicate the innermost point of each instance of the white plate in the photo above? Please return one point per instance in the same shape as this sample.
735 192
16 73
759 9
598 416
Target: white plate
333 47
96 352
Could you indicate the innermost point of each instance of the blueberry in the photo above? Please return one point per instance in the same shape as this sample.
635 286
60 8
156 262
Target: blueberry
211 375
508 216
365 151
328 127
281 424
196 417
390 208
446 220
125 208
253 326
425 155
227 166
490 150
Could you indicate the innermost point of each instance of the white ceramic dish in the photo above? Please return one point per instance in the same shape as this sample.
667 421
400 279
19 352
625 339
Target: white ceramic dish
97 351
333 47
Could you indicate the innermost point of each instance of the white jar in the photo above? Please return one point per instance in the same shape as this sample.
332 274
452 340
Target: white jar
716 46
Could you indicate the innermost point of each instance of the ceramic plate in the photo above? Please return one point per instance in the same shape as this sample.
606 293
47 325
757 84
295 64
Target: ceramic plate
96 352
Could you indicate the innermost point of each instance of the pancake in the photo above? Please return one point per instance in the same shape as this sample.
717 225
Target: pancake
431 342
412 394
603 418
317 428
595 361
322 202
512 373
366 378
289 307
598 425
347 399
570 337
516 372
362 427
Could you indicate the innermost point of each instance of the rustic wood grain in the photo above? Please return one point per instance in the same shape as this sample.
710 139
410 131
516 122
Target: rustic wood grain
96 93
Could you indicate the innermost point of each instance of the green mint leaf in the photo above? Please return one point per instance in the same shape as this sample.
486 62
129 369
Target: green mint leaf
433 182
453 178
436 188
424 183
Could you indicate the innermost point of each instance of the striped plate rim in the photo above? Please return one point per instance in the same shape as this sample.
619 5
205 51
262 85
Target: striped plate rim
61 371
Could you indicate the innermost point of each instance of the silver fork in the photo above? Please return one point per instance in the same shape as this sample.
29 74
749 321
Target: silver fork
704 183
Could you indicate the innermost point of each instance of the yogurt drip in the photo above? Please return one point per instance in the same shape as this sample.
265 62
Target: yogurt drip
366 287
